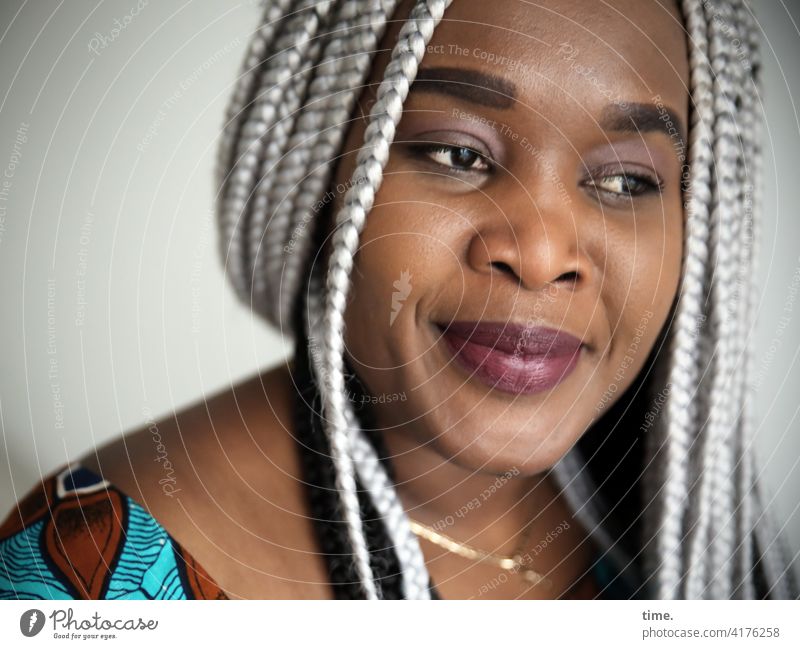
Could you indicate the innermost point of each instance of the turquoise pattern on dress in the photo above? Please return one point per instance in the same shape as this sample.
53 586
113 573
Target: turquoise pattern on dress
24 573
77 536
147 568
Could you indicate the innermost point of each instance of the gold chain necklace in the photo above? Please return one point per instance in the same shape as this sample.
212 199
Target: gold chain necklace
514 563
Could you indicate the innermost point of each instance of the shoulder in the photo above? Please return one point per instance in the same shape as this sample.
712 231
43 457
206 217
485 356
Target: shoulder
176 458
224 478
75 536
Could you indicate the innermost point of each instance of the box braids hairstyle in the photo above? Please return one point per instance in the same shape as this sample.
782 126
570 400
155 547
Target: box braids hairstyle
707 531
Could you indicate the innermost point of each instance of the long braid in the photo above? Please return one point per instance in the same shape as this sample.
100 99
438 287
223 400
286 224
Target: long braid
374 470
669 511
263 131
715 498
316 140
740 89
720 449
286 121
394 571
307 41
325 506
324 501
726 294
738 158
247 86
367 177
750 182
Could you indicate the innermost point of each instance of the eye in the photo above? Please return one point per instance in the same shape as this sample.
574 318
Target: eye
622 184
454 157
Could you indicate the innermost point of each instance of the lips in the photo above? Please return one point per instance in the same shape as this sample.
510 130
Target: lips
513 358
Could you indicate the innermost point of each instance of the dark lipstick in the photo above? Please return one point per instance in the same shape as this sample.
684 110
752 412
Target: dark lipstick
511 357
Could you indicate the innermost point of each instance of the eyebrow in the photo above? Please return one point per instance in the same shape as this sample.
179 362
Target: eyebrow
470 85
495 92
643 118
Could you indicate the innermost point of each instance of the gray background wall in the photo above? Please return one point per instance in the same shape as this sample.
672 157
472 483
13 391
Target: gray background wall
113 301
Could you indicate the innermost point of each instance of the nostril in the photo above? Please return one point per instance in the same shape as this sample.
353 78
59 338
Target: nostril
571 277
503 266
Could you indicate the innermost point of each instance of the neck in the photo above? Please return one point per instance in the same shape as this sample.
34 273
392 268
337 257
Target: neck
486 510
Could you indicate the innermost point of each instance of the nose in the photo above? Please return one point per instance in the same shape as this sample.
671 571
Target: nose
536 245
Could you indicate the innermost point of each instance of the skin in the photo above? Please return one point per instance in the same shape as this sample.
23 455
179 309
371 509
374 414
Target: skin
541 238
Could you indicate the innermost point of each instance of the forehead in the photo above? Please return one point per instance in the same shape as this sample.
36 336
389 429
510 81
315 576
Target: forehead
582 53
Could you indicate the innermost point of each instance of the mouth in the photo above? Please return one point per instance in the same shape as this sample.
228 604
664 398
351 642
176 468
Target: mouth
512 358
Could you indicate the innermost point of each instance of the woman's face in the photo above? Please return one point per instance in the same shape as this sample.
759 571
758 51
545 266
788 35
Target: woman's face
531 203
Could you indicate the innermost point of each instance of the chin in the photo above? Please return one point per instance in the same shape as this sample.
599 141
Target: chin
528 449
484 461
489 438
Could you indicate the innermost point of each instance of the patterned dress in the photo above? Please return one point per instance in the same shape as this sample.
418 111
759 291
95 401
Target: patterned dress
75 536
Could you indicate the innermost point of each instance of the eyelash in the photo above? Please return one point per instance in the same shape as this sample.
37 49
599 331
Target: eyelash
651 184
424 150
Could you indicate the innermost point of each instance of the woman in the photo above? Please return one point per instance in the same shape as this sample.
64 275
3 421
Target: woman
523 376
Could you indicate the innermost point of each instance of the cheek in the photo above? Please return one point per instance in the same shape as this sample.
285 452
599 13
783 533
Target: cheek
658 260
401 265
641 284
642 253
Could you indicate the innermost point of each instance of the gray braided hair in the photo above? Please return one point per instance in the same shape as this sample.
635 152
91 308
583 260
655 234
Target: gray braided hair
287 121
